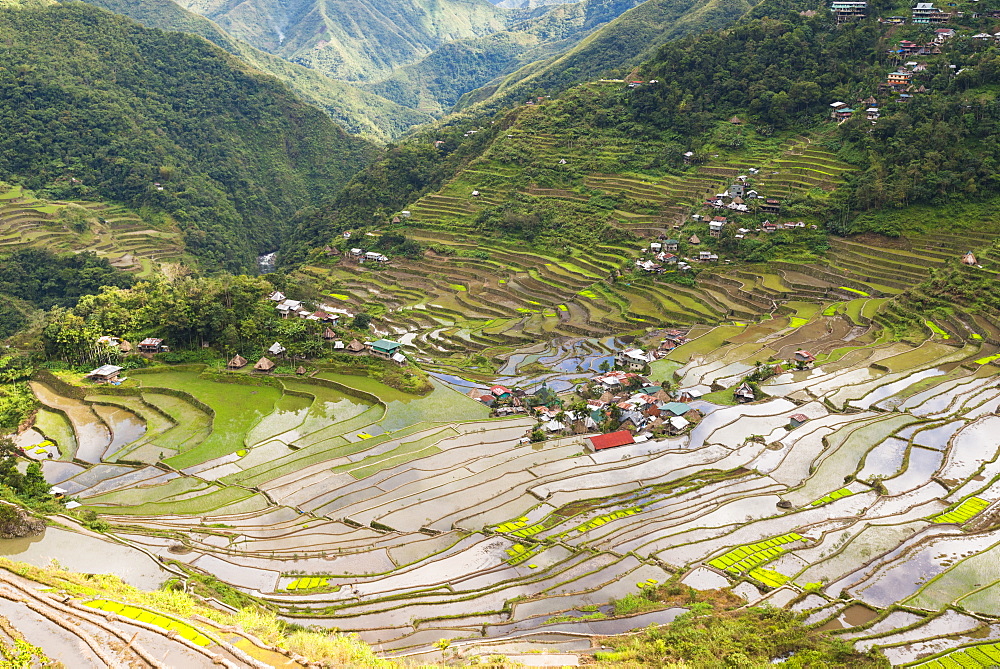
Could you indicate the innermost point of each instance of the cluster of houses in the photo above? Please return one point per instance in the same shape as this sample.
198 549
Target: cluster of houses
922 13
297 308
382 348
111 373
739 194
366 256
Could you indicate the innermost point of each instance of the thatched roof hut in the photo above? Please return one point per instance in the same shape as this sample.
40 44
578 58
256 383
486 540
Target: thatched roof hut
329 334
355 346
264 365
694 240
125 346
238 362
300 371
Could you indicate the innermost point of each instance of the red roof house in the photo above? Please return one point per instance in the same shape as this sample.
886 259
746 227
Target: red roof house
611 440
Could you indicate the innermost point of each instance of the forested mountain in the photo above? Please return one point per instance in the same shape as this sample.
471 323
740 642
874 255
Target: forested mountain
95 105
437 82
628 40
351 40
358 111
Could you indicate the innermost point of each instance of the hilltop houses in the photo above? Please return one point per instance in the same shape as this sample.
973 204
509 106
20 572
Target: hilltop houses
848 11
632 359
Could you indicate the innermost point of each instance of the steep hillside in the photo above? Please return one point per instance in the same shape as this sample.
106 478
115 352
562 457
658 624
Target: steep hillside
437 82
626 41
350 40
358 111
95 105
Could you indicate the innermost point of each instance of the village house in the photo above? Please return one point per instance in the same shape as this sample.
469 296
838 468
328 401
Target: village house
610 440
707 256
375 257
843 114
771 206
668 258
329 334
848 11
693 239
152 345
804 359
355 346
655 247
632 359
872 113
835 107
715 227
744 394
941 35
264 366
276 296
899 80
768 226
926 12
969 259
384 348
677 425
105 374
688 156
797 420
613 380
670 245
338 345
276 349
237 362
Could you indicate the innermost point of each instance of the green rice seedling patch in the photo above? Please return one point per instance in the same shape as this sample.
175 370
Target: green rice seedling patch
589 293
975 335
185 630
744 558
405 452
563 307
704 344
970 657
237 409
769 577
854 290
211 501
832 309
517 553
937 330
836 494
988 359
796 322
963 512
56 426
312 583
457 286
607 518
519 527
153 493
854 308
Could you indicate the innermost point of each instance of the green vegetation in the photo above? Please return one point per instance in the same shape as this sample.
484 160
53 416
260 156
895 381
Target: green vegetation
234 152
47 280
744 558
963 512
836 494
748 638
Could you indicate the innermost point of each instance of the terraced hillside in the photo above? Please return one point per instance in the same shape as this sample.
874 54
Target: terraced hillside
478 291
346 504
111 231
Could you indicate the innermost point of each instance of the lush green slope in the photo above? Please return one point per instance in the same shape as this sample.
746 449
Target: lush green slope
350 40
360 112
437 82
93 104
624 42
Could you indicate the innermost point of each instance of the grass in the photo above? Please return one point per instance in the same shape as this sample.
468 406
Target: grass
237 409
937 330
854 290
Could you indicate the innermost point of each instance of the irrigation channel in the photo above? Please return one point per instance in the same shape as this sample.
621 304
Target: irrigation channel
347 504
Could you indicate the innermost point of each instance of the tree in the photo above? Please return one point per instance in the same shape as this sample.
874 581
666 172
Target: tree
361 321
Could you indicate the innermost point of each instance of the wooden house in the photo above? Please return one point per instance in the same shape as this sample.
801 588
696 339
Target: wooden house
264 365
105 374
152 345
238 362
